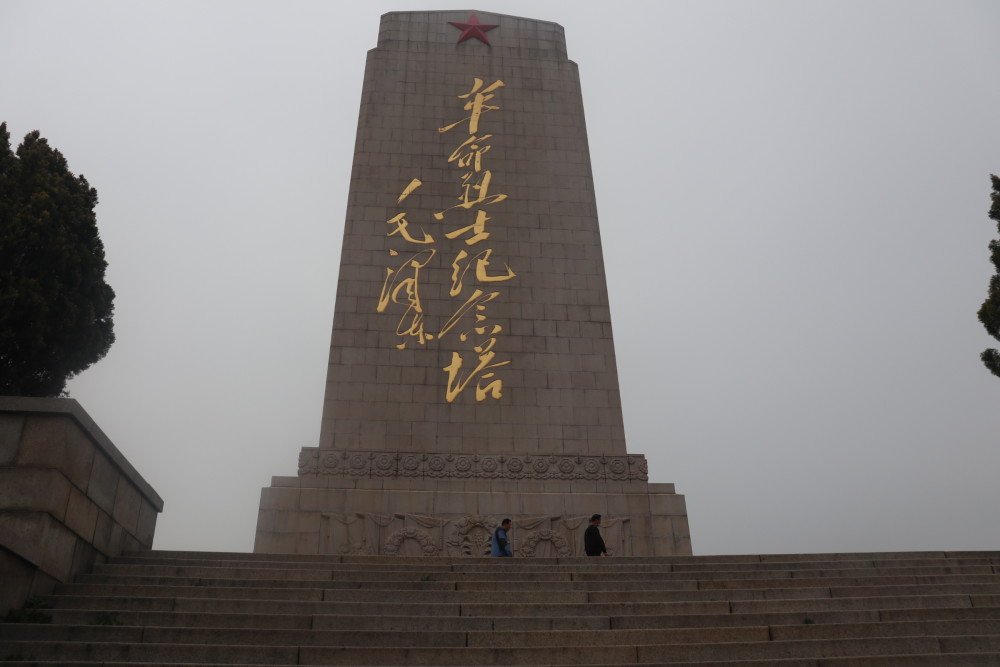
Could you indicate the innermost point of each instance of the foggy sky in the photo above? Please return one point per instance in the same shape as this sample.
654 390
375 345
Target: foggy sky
792 198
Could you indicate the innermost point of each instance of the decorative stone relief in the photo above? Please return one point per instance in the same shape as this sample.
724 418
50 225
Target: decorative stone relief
529 544
309 461
354 549
396 540
437 465
471 536
396 534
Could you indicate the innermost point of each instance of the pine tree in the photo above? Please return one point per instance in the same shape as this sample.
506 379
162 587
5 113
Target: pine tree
55 307
989 313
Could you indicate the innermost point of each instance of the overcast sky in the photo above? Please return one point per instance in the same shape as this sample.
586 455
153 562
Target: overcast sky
793 202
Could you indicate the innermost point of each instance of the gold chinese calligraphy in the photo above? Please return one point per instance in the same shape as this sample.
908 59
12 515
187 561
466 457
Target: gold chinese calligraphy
474 361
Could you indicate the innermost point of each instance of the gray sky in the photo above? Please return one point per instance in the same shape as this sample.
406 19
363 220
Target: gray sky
793 203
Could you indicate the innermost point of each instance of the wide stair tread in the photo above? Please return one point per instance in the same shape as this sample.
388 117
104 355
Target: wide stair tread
191 608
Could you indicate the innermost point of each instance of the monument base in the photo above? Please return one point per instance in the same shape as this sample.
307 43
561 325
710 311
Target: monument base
358 508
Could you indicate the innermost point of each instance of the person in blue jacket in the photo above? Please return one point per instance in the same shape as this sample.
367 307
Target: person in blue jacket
500 544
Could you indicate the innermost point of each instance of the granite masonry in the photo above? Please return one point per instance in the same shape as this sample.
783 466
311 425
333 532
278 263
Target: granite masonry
472 370
68 497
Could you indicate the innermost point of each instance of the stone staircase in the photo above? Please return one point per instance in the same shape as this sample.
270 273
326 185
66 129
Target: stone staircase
165 608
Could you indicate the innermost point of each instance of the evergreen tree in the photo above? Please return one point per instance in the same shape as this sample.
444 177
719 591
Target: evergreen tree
989 313
55 308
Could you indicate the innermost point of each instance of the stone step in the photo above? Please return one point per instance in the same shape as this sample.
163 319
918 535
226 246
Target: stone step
383 623
490 638
461 590
245 606
978 574
480 608
101 652
423 638
321 594
819 569
418 585
734 594
507 623
524 596
836 610
738 607
208 620
231 636
558 584
668 564
355 584
912 660
541 576
432 583
846 564
507 655
403 566
736 634
727 575
732 558
883 580
984 627
636 621
357 575
818 604
952 660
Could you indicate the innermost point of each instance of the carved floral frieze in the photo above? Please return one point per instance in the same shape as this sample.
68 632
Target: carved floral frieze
434 465
427 546
398 534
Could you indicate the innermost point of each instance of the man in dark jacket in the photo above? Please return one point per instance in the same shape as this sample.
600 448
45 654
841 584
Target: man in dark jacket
593 543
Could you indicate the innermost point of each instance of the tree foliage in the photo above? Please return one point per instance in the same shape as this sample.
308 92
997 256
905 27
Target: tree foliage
55 307
989 313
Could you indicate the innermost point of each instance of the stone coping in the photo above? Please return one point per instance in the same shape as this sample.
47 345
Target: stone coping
70 407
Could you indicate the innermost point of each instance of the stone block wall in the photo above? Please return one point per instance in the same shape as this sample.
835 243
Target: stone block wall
331 515
68 497
511 196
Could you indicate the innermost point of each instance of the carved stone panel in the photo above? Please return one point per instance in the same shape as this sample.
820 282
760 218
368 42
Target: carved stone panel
471 536
463 536
439 465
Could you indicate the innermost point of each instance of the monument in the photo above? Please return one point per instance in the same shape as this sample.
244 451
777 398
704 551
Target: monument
472 371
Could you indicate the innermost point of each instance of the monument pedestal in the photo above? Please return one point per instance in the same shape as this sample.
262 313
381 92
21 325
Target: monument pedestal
385 503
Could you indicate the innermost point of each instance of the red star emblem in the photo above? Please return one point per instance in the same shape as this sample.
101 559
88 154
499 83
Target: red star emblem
473 29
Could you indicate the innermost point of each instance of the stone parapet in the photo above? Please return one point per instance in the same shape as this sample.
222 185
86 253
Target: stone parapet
68 497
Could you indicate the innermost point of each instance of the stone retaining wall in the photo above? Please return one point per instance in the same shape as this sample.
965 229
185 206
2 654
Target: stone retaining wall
68 497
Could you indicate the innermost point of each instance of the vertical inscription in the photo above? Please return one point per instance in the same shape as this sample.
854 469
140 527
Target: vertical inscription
473 282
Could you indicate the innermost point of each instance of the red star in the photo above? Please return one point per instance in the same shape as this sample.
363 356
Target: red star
473 29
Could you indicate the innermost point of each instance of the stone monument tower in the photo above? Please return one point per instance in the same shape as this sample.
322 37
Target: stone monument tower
472 367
